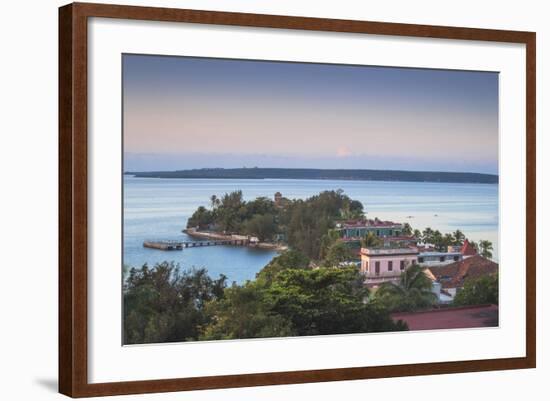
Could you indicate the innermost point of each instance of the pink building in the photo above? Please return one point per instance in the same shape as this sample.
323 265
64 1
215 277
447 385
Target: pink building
386 264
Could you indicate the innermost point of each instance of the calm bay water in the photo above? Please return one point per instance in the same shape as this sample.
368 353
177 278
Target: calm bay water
159 209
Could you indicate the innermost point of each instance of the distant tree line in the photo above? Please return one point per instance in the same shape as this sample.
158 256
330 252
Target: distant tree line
442 241
324 174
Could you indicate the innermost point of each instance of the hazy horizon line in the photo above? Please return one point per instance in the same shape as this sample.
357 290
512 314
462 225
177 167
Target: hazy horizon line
310 168
175 161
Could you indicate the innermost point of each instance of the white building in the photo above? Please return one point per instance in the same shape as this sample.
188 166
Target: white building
438 258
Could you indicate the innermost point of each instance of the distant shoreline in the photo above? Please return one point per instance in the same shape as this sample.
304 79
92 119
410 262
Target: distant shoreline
322 174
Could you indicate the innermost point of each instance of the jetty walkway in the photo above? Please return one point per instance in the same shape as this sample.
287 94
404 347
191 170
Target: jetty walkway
174 245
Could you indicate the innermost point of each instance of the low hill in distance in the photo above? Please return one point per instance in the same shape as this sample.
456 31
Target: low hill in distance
321 174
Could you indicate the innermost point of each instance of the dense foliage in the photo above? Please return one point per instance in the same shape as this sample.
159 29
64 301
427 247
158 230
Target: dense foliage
483 290
244 313
440 241
326 301
337 254
371 241
290 259
485 248
412 292
302 223
164 304
287 298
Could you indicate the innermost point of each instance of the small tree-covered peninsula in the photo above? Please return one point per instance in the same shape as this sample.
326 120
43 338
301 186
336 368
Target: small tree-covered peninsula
305 225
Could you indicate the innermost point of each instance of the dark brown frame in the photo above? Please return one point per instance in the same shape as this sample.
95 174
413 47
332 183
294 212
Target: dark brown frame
73 198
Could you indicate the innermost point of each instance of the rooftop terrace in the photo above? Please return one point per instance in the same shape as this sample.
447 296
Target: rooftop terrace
389 251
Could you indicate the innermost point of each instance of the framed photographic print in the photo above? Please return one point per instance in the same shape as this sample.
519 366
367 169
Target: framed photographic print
251 200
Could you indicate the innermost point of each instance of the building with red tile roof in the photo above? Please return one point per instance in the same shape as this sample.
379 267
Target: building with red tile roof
450 318
468 249
454 275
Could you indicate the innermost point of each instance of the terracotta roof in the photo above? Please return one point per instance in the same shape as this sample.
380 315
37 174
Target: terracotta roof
467 249
451 318
429 273
453 275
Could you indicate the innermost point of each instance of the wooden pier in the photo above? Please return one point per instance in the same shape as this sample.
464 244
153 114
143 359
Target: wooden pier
170 245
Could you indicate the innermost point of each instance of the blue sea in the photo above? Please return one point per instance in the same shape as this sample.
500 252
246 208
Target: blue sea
157 208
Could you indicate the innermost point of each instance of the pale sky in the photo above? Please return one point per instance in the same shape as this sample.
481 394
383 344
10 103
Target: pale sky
184 112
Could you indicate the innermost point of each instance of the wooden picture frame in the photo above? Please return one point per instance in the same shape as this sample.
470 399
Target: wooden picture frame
73 193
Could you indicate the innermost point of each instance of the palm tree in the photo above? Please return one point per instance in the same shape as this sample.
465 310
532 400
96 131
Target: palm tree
427 235
448 239
214 201
407 229
458 237
412 292
371 241
485 248
330 238
417 234
438 241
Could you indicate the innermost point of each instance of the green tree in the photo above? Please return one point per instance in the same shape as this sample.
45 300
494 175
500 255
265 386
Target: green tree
166 304
327 301
485 249
261 225
297 302
261 206
370 240
412 292
201 218
214 201
428 235
337 253
307 225
351 209
307 221
407 229
438 240
480 291
448 240
244 313
459 237
231 211
330 238
289 259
